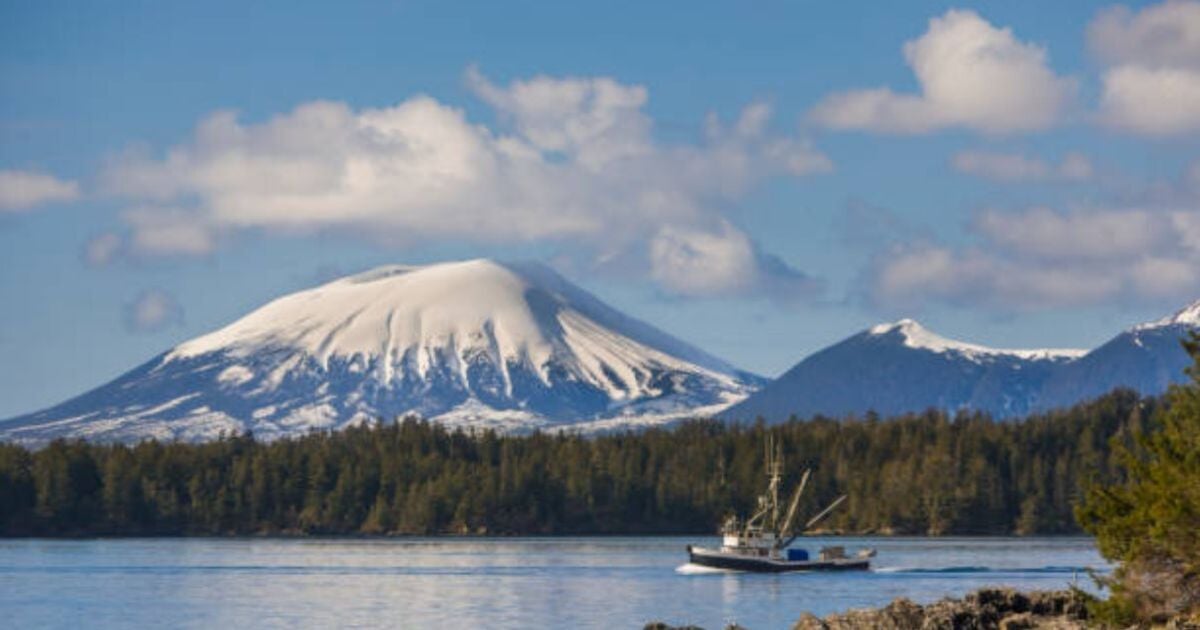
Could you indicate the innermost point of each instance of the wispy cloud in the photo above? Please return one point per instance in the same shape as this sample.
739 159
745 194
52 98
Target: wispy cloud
1016 167
25 190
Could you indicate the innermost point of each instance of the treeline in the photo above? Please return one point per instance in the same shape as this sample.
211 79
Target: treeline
918 474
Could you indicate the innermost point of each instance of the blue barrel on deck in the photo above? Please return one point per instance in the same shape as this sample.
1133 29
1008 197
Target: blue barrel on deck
797 555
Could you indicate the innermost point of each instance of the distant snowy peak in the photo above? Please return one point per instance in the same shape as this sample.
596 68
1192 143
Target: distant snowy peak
400 321
917 336
1187 316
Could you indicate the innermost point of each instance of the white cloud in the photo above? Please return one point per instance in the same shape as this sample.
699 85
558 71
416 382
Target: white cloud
1081 236
1152 86
1038 258
159 231
689 261
972 75
595 119
1014 167
722 261
1162 35
152 311
23 190
574 161
977 278
1151 101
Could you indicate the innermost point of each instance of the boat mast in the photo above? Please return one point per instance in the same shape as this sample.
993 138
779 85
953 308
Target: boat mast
774 473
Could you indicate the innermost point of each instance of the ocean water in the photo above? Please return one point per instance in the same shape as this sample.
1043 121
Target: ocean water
445 583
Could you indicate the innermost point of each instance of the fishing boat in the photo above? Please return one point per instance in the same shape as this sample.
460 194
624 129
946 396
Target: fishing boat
762 543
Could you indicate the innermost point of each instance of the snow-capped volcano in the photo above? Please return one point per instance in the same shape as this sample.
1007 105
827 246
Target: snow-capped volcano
475 343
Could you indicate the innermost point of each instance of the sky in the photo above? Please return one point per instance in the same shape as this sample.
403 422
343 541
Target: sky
760 179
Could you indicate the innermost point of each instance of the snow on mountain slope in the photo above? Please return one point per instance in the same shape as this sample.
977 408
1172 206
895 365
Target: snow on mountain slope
917 336
1186 316
476 343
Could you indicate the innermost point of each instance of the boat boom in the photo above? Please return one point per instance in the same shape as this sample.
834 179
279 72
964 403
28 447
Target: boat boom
814 520
791 513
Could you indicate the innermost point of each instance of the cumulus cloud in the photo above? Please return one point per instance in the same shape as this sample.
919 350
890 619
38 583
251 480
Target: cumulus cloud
1043 258
152 311
723 261
971 74
572 160
1152 86
1151 101
24 190
1015 167
1166 34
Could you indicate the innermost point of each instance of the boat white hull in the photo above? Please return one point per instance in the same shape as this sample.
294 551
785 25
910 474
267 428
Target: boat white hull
718 559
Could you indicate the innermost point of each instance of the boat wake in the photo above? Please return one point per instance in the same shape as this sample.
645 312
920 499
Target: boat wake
981 569
696 569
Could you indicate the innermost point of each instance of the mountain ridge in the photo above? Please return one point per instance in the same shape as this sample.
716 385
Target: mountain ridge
902 367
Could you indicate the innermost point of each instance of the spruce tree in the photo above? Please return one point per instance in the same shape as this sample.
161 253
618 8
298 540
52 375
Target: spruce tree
1149 521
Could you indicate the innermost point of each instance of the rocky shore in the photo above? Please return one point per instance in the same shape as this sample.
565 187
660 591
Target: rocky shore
985 609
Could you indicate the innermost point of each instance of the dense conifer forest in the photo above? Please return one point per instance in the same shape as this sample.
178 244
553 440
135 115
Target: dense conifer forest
918 474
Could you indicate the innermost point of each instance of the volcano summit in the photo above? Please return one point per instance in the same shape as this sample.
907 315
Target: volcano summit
474 343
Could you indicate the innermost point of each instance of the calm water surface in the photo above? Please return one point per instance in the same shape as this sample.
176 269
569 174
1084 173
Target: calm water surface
488 583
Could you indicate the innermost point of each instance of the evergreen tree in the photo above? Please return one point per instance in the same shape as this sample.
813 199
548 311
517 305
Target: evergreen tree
1149 520
914 474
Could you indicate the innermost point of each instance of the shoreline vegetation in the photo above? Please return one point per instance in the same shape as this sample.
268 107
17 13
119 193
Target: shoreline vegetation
925 474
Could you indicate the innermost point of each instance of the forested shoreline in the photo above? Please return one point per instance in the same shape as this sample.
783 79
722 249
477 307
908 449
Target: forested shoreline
918 474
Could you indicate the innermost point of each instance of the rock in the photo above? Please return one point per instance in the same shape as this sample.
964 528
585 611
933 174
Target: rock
809 621
985 609
664 625
1019 621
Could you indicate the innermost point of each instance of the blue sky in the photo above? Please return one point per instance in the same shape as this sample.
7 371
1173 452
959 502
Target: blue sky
1016 174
